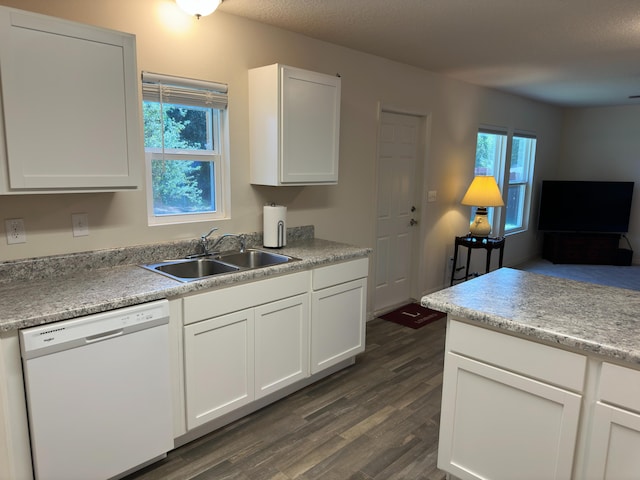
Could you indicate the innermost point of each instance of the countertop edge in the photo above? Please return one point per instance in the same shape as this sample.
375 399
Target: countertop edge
85 293
545 320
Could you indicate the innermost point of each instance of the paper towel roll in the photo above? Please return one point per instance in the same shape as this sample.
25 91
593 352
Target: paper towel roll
275 226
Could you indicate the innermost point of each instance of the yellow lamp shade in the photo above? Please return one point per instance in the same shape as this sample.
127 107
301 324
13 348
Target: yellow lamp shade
483 192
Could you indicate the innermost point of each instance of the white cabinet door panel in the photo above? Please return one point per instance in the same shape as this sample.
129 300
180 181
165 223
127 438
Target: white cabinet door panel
338 318
70 101
499 425
219 366
614 451
310 126
282 344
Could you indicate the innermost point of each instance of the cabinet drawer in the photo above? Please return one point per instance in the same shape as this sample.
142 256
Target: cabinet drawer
620 386
526 357
324 277
231 299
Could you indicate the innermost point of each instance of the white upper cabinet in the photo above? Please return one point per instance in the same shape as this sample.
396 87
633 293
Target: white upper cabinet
70 106
294 125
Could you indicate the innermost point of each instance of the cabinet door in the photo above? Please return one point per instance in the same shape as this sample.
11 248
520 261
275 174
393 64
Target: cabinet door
615 443
499 425
310 127
219 366
338 317
282 344
70 102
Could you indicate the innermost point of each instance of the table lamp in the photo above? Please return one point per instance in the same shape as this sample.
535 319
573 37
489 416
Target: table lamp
482 193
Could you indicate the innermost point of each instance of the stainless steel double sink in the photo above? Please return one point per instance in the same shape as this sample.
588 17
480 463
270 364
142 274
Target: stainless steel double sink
192 269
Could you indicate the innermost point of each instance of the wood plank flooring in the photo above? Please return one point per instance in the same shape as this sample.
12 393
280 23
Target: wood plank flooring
377 419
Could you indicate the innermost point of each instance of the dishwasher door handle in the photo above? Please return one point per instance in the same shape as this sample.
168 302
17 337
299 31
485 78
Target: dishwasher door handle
104 335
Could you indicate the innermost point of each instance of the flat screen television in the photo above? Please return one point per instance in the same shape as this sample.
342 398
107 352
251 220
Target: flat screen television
585 206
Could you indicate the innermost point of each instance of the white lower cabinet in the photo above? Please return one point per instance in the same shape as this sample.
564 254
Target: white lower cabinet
219 374
246 342
281 344
614 445
232 359
507 407
338 313
498 418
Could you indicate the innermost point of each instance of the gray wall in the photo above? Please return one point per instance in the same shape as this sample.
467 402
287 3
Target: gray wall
604 144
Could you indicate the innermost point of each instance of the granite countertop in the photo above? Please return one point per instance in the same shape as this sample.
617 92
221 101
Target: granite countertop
592 318
26 302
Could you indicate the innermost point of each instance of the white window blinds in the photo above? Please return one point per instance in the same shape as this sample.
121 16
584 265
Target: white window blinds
183 91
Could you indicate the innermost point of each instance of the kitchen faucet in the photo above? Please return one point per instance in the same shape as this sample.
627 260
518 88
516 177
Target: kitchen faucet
206 251
203 241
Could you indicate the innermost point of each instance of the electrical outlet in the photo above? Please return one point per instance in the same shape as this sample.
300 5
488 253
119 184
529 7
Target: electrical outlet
80 223
15 231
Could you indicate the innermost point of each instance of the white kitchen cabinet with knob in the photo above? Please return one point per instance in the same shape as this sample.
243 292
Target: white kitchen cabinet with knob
294 126
70 108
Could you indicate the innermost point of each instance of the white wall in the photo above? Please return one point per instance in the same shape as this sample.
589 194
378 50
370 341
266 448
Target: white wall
222 48
604 144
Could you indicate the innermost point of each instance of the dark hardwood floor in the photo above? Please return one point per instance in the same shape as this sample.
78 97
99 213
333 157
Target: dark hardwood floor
377 419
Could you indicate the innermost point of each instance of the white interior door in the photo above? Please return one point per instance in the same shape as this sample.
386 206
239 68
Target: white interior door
396 212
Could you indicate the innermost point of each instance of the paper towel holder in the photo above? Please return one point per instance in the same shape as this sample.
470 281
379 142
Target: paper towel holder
275 229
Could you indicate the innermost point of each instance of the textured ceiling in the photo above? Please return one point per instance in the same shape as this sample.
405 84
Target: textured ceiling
564 52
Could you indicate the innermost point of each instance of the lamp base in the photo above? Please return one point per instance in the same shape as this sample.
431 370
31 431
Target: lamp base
480 227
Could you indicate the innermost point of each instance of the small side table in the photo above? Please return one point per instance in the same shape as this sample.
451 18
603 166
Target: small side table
471 242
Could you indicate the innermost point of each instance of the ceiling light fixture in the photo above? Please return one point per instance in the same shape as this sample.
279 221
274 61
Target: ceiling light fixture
199 8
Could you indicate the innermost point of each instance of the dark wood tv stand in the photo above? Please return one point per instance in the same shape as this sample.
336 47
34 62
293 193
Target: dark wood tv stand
585 248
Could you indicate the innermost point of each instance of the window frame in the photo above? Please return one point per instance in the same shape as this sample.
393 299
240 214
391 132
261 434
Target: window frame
526 183
194 93
492 212
502 174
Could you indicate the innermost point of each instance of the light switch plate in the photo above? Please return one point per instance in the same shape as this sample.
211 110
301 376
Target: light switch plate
432 195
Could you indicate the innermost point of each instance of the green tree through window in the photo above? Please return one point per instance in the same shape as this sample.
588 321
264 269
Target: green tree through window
179 186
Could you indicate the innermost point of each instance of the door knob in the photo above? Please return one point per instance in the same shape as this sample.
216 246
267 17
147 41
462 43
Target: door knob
413 222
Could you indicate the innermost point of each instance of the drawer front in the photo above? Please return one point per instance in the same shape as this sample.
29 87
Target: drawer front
231 299
526 357
324 277
620 386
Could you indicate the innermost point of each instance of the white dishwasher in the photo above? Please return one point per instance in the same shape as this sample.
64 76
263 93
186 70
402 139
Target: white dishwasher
98 392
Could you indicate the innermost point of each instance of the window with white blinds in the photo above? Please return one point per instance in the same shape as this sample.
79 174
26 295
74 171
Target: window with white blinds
185 148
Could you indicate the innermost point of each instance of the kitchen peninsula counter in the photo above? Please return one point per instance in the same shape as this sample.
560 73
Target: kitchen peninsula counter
53 289
541 378
592 318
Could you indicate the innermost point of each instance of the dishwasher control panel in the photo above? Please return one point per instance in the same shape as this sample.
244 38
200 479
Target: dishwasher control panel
53 337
